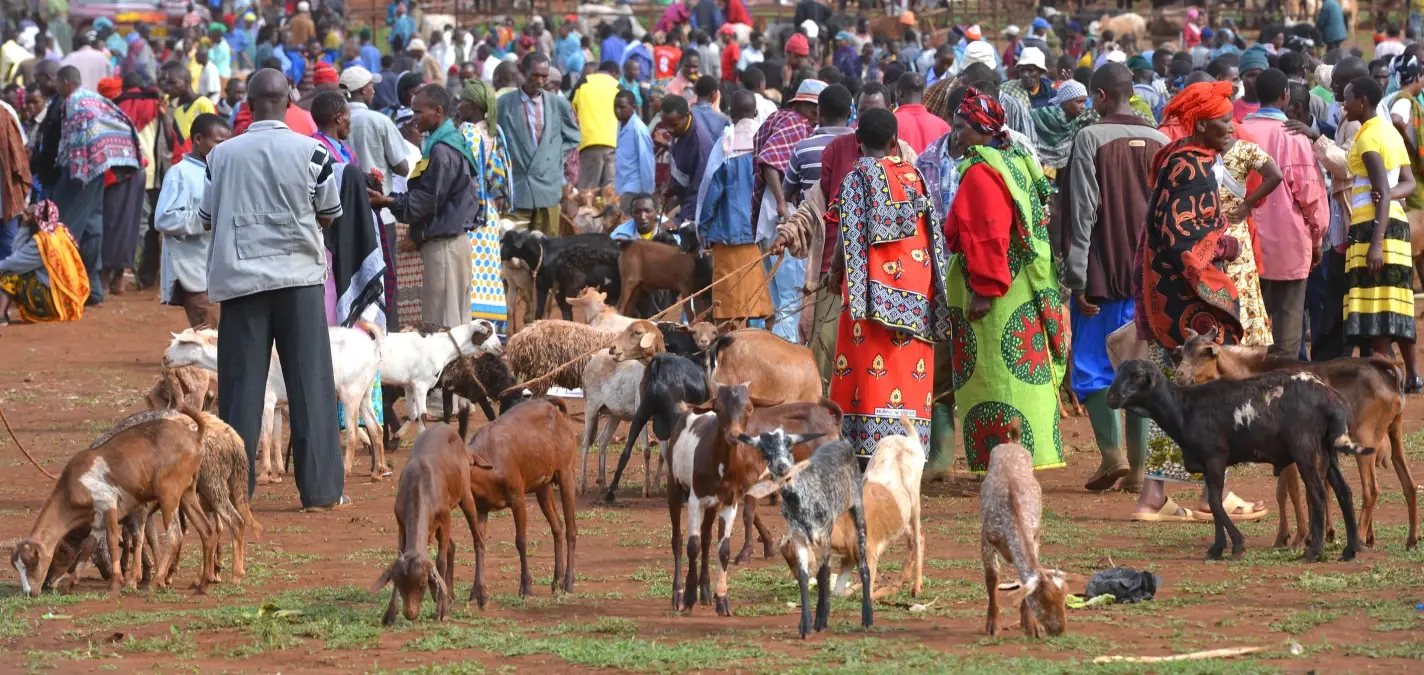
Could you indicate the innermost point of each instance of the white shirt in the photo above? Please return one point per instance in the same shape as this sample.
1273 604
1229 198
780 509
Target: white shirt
764 108
749 56
488 70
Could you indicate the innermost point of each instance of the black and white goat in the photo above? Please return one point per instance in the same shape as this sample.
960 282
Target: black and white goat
814 493
1279 418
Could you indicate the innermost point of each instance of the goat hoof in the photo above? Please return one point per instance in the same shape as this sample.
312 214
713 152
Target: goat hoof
1281 541
1348 554
1213 553
1312 554
724 606
677 599
1238 553
744 557
1330 536
1410 543
377 476
609 497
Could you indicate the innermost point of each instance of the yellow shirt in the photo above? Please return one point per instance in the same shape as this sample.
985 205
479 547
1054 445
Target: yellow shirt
593 103
1376 135
184 116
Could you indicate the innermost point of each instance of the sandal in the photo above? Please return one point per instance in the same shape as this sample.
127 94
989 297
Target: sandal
1238 509
1169 513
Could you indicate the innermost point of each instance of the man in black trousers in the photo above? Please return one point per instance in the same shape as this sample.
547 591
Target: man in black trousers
270 192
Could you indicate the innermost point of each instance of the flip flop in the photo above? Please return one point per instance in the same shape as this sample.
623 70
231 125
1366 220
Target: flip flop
1237 509
1167 514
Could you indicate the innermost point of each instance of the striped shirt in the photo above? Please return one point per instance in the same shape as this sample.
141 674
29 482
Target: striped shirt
804 170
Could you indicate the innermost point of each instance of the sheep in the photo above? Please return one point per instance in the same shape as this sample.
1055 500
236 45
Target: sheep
814 494
545 258
156 461
645 266
597 314
891 495
1010 511
435 480
477 379
530 449
187 385
415 361
1277 418
355 357
545 345
1374 389
611 389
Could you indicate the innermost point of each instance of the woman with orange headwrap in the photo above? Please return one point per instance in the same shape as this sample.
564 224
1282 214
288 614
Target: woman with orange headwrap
1184 288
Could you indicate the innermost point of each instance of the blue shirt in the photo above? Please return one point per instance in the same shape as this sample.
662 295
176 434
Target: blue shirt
643 54
371 58
633 169
568 54
710 118
612 49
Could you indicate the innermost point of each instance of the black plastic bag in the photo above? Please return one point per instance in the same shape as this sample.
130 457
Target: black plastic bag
1124 584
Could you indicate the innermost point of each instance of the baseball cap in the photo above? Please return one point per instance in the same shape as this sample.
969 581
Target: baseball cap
809 92
356 77
1032 56
1010 31
1116 56
1040 23
974 33
798 45
907 18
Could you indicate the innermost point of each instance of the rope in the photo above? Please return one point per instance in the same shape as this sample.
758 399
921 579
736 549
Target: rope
608 343
22 447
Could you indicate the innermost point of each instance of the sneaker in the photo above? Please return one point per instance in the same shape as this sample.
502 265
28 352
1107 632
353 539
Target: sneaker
344 501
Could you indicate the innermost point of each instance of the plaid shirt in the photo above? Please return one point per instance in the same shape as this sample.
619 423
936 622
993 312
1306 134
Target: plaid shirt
774 144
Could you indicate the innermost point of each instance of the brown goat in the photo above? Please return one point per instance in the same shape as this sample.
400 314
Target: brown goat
646 266
156 461
891 498
775 370
192 386
1010 511
530 448
435 480
1373 389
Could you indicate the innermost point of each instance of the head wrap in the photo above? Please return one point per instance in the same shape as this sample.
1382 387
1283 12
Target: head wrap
983 113
111 87
1198 102
46 216
1138 62
1254 59
480 93
102 22
1070 90
1406 68
217 26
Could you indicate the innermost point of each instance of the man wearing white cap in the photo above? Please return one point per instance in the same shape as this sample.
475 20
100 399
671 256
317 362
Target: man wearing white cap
1011 51
1031 87
374 137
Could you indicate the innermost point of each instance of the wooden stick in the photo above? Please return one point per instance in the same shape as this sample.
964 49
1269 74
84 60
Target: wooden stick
22 446
1193 656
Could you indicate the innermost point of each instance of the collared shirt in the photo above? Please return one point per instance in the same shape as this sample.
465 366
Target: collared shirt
534 115
804 170
377 141
185 249
633 170
266 188
340 153
1293 218
629 230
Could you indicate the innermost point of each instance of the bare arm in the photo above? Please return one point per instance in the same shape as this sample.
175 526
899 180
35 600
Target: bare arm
772 177
1382 195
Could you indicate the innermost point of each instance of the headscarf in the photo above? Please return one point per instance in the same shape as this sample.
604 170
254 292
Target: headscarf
1068 91
481 94
111 87
1323 75
68 283
1405 67
1198 102
983 113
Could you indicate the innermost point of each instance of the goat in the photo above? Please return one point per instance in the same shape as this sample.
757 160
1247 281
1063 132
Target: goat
814 494
415 361
649 265
543 256
529 449
777 370
435 480
1278 418
610 389
545 345
595 313
190 386
355 357
891 495
477 379
152 462
1010 511
1372 387
688 341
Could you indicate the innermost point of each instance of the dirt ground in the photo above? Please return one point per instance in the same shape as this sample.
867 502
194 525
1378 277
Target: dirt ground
305 606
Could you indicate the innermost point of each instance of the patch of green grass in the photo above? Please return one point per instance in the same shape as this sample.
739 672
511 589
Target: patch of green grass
605 625
657 579
1395 615
1413 650
1379 577
1297 623
13 605
178 643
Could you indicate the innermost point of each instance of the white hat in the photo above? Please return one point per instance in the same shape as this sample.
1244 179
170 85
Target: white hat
812 30
416 45
1116 56
1010 31
356 77
979 51
1032 56
303 6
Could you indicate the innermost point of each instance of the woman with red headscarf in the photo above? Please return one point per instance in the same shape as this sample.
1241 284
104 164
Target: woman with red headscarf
1006 316
1184 289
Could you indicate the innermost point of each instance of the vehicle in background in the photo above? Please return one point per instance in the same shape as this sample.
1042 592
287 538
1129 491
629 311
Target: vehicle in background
162 15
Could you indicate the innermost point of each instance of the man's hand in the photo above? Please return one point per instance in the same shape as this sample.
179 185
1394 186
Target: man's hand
979 307
778 245
1237 213
407 246
1314 255
378 200
1084 305
1301 128
782 213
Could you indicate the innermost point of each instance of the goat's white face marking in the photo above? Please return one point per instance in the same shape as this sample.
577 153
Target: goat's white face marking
1275 394
24 576
1244 415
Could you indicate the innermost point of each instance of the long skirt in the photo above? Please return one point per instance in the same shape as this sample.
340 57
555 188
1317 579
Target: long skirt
1246 276
1380 304
123 216
745 293
33 299
879 375
410 277
1092 369
486 276
1164 456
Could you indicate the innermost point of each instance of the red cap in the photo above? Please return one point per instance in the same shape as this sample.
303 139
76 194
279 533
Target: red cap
797 45
325 74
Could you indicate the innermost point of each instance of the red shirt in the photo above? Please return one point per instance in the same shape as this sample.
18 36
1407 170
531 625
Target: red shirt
836 162
298 120
731 53
979 228
918 126
665 58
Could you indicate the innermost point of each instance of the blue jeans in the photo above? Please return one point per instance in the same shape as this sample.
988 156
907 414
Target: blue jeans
786 296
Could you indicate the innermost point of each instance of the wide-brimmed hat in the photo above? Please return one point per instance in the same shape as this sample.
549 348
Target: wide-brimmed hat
809 92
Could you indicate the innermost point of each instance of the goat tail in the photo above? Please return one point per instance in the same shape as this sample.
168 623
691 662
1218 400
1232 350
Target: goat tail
557 403
376 332
197 417
1337 432
908 423
21 446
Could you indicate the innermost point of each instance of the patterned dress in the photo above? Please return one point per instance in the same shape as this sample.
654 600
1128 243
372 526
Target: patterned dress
1238 162
1379 304
1005 367
486 281
895 301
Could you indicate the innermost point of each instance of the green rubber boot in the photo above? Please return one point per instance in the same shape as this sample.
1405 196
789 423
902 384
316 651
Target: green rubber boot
1136 453
1107 428
941 450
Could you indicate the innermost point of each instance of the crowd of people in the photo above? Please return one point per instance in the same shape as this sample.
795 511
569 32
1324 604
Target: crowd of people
277 164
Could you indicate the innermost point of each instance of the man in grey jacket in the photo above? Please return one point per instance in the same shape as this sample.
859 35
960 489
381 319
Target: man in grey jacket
541 132
270 191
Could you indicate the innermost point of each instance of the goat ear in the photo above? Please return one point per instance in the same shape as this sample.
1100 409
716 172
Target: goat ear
1211 334
442 593
795 439
1189 333
762 489
647 341
479 462
1214 349
384 581
746 439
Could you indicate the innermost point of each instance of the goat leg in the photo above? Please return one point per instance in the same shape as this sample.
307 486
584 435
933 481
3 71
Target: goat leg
477 591
803 572
1315 495
566 495
823 595
695 514
1406 480
521 540
545 497
991 586
867 575
1369 495
727 515
207 535
641 416
675 515
1215 480
112 530
749 526
86 550
1347 507
704 572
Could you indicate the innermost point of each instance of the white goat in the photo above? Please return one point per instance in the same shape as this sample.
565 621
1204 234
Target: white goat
355 358
415 361
612 389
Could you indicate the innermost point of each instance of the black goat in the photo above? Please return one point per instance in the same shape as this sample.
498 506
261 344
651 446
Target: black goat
478 379
669 380
1279 418
545 257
